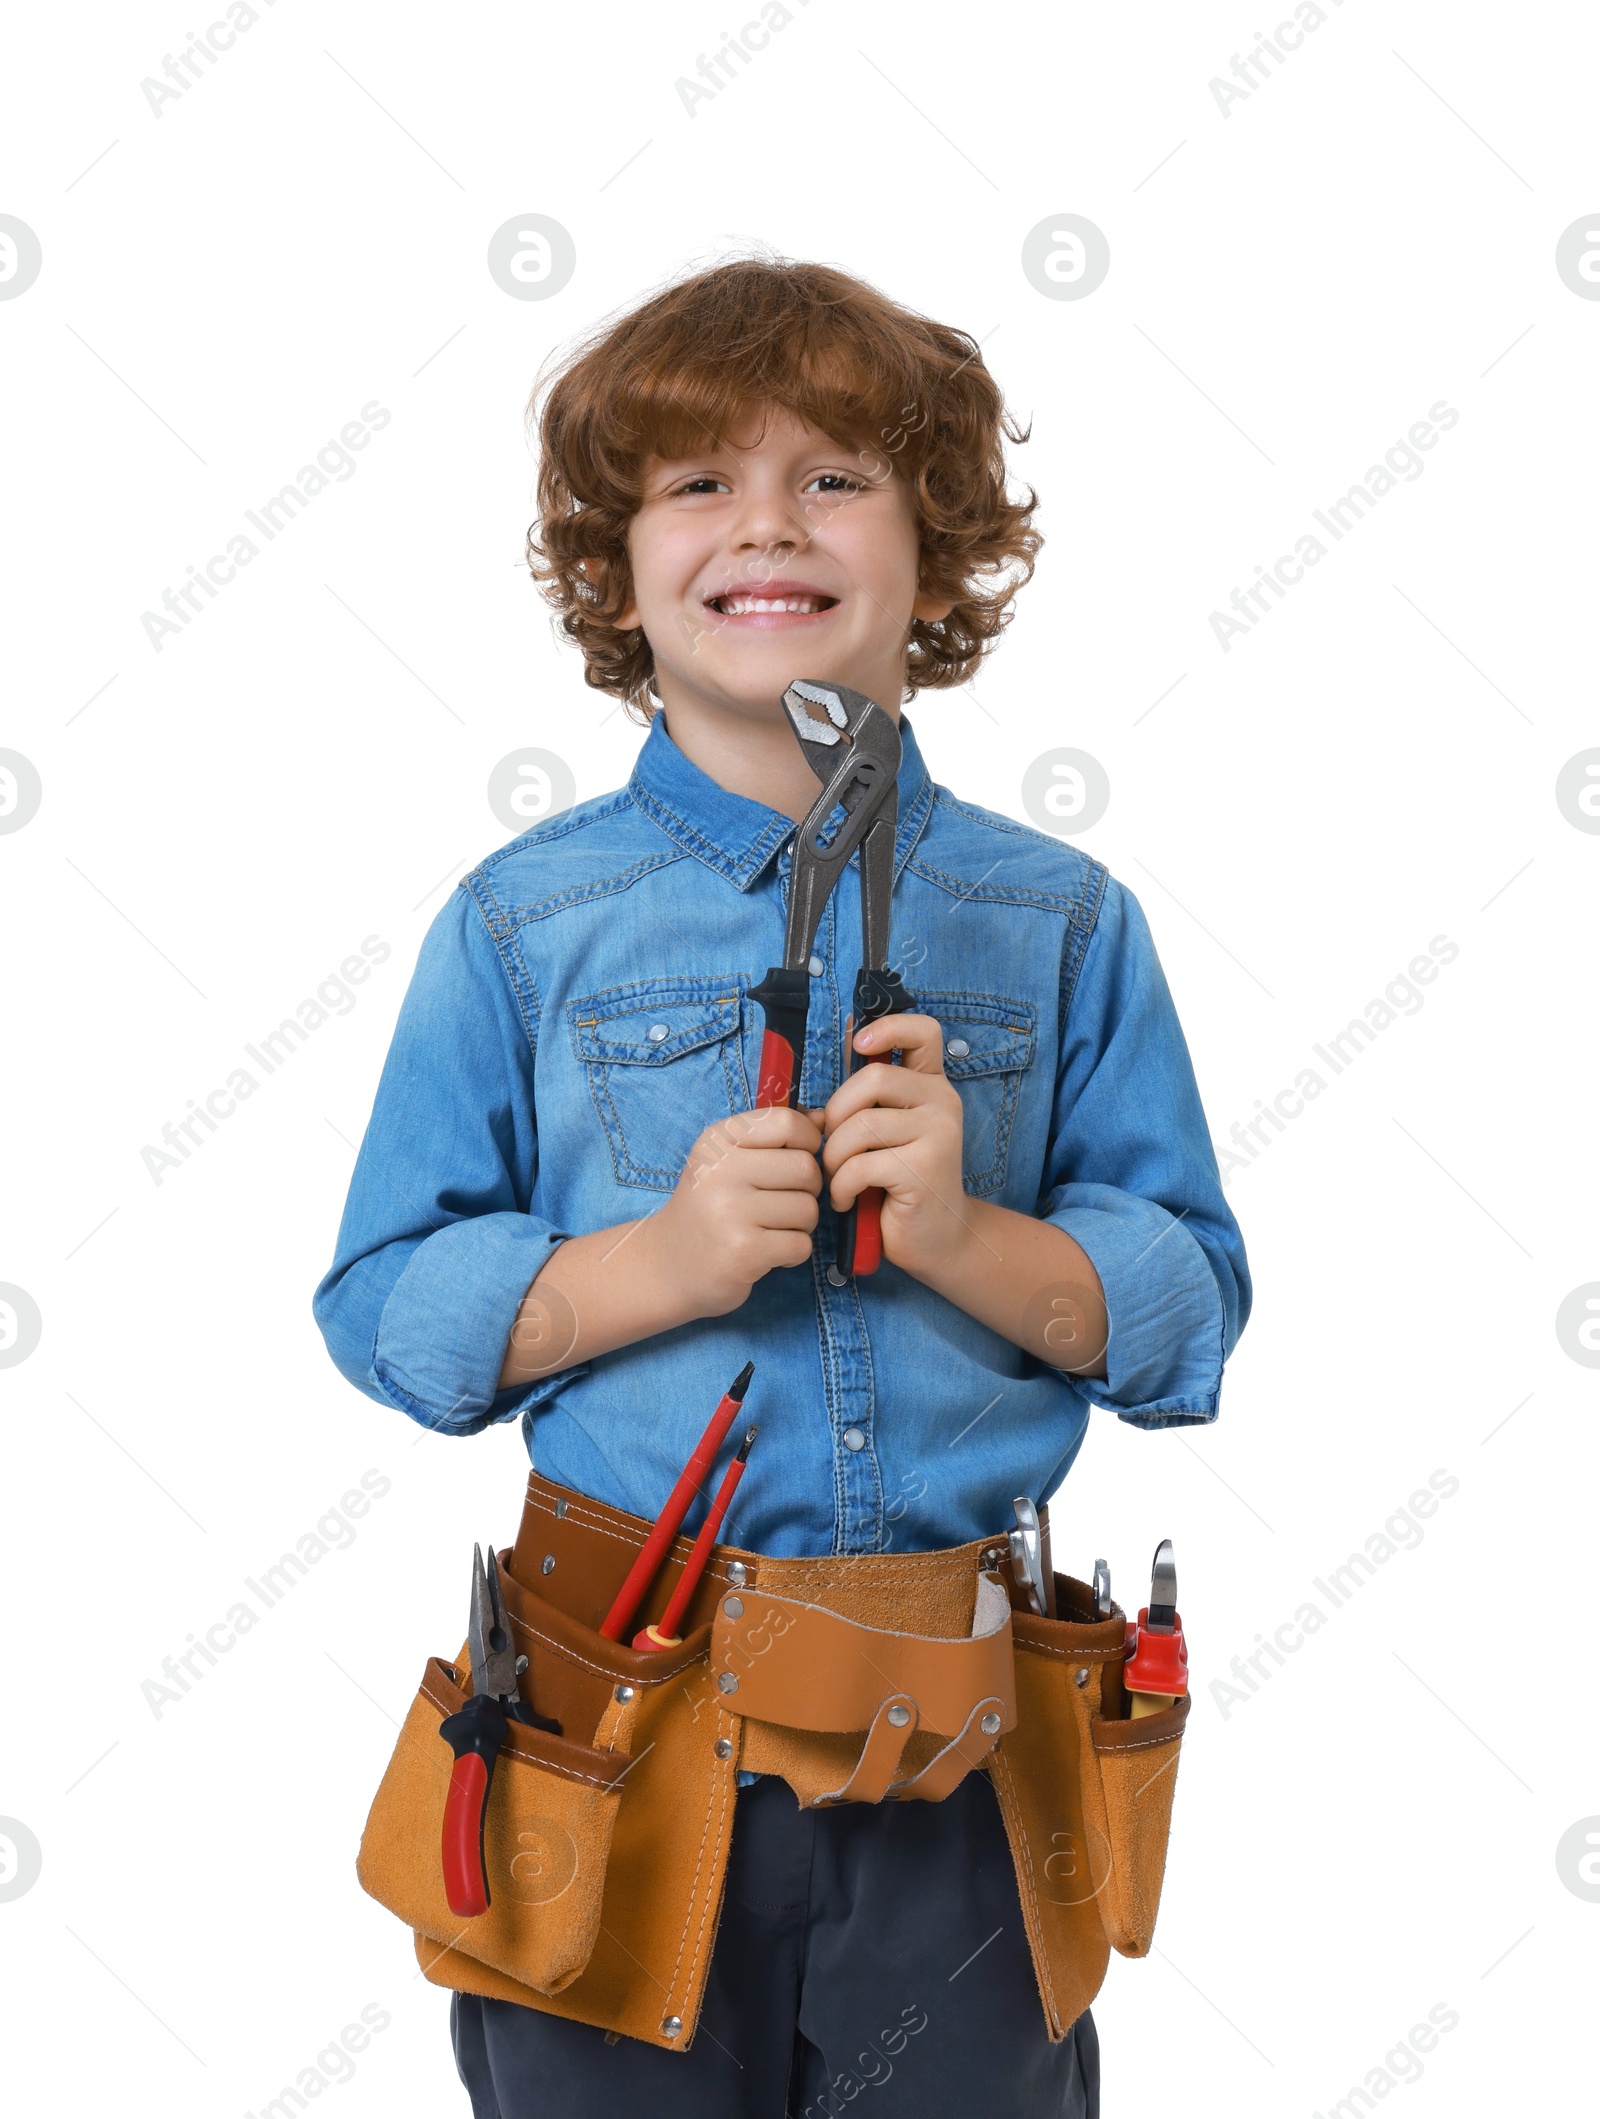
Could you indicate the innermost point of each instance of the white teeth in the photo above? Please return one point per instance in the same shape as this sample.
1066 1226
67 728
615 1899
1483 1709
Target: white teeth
740 606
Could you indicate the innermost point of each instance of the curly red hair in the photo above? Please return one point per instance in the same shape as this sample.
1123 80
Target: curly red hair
695 361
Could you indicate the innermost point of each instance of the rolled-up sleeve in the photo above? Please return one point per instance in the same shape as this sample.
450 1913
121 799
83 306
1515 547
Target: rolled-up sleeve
1132 1177
437 1247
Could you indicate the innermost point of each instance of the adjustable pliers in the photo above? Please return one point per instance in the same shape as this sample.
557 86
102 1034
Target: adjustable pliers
853 747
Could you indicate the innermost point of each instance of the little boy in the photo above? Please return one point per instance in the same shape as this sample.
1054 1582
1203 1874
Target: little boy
566 1208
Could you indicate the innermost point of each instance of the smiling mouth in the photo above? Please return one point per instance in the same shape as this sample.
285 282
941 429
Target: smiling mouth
731 606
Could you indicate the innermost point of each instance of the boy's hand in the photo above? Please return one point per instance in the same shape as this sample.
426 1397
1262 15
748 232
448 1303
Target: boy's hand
746 1202
901 1128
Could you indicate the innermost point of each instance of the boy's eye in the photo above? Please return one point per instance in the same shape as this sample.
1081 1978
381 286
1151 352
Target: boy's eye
703 484
838 482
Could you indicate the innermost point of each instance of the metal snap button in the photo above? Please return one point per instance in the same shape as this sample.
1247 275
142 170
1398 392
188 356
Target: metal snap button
1080 1677
671 2026
899 1716
816 967
658 1031
547 1564
734 1607
854 1438
989 1724
723 1748
624 1693
957 1047
738 1573
522 1666
727 1682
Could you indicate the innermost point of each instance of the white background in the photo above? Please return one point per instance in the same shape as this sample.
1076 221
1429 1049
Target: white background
1292 286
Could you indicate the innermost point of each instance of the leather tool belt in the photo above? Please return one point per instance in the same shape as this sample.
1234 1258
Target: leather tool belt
866 1677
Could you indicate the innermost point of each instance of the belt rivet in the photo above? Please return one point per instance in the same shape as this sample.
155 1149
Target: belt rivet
734 1607
561 1508
899 1716
723 1748
990 1724
738 1573
624 1693
522 1664
547 1564
727 1682
671 2026
1080 1677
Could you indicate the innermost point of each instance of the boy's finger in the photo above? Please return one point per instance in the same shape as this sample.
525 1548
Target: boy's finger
919 1037
877 1085
771 1126
881 1126
778 1170
883 1168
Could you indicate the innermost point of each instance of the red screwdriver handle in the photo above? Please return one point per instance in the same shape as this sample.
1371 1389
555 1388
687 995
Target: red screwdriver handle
475 1734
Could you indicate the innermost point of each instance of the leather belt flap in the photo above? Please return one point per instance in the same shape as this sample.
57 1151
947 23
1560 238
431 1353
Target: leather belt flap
777 1659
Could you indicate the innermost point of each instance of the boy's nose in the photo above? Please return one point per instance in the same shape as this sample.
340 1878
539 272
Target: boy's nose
768 521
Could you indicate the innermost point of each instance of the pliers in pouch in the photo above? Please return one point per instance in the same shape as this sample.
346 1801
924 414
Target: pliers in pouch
853 747
475 1734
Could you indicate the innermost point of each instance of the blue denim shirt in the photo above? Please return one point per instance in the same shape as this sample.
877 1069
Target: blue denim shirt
579 1013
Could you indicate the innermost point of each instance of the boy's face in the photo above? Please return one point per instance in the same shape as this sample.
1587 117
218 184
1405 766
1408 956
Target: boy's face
777 555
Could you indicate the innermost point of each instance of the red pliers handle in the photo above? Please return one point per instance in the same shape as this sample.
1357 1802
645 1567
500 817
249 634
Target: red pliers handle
860 1237
475 1734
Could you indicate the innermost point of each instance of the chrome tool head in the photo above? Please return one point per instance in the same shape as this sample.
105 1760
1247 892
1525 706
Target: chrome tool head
494 1661
1027 1553
1163 1590
854 749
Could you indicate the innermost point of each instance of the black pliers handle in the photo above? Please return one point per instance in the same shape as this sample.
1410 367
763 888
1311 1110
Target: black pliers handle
853 746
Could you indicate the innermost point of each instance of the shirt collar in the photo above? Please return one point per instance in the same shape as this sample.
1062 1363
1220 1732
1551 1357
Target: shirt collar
736 836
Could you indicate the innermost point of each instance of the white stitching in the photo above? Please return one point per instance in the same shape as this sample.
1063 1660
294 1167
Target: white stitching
997 1758
571 1655
723 1782
1145 1743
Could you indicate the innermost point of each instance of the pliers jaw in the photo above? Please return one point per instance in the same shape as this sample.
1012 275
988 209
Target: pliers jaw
854 749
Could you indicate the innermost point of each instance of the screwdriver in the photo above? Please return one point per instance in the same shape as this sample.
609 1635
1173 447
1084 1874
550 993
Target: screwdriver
665 1633
694 1474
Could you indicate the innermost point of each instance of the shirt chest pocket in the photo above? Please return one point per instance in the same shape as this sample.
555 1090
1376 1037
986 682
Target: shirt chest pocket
988 1048
663 1062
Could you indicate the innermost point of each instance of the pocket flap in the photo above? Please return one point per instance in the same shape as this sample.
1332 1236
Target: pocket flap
992 1036
654 1020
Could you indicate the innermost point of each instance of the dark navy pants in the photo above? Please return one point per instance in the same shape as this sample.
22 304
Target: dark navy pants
870 1958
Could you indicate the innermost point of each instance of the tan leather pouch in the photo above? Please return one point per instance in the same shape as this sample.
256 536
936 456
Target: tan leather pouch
600 1909
547 1837
1086 1794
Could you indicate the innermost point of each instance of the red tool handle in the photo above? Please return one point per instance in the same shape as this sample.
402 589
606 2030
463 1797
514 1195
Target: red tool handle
475 1735
641 1574
860 1239
1158 1661
785 999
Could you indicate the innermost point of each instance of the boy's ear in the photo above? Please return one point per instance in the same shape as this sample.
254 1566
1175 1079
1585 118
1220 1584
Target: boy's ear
931 608
627 621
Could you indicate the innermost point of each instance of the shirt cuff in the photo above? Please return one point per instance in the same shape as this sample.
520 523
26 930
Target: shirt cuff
1165 1351
442 1333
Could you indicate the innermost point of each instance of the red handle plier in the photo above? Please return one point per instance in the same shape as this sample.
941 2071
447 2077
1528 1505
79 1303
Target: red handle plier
475 1734
853 747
